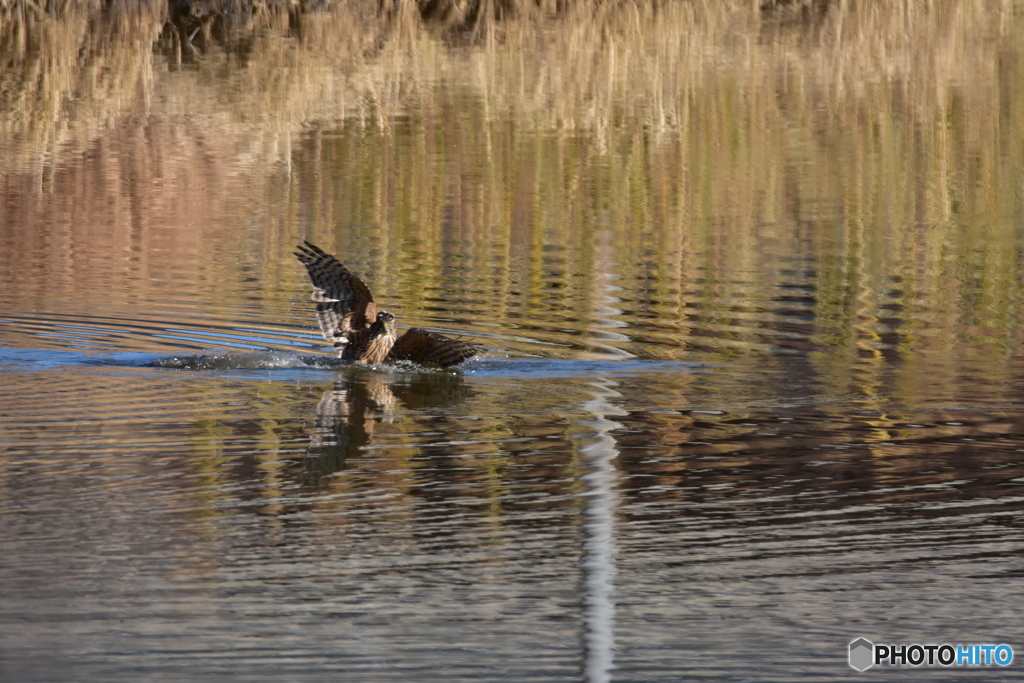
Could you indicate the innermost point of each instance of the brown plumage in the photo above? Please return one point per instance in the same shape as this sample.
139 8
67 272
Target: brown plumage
350 322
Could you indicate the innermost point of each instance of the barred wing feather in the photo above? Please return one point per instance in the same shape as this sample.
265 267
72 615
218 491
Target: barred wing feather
423 346
349 319
344 303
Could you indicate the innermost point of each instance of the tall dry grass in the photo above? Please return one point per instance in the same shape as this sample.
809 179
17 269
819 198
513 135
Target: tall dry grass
561 65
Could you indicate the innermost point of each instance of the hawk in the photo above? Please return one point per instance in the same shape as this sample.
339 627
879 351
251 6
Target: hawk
350 321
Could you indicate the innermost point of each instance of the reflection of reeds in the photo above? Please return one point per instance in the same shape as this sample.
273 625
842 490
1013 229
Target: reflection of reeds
71 74
686 136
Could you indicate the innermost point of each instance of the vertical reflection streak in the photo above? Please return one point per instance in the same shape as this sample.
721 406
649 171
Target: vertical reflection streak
599 550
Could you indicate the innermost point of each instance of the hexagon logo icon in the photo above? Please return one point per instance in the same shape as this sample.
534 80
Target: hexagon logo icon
862 654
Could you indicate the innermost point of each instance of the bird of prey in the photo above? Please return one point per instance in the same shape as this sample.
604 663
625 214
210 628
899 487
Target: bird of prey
350 321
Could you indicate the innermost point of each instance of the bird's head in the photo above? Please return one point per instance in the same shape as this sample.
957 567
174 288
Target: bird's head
385 323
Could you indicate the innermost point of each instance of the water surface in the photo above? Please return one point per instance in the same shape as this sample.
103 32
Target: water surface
752 384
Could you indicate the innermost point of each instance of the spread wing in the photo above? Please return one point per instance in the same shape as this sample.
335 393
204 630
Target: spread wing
343 303
423 346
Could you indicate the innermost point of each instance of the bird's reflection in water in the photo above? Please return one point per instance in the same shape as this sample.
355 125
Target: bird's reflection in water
364 402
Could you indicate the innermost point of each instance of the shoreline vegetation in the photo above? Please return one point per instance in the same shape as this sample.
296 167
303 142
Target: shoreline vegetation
593 67
695 77
708 86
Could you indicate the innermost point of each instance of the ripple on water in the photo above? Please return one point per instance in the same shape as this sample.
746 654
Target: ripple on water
267 519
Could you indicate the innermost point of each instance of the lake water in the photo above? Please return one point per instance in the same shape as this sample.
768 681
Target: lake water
749 289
